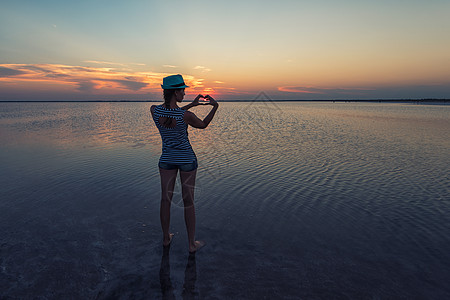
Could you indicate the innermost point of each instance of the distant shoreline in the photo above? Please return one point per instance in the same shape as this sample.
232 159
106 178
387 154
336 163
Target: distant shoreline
418 101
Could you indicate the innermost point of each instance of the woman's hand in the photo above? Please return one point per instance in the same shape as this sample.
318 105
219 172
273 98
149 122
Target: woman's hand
211 101
196 100
193 103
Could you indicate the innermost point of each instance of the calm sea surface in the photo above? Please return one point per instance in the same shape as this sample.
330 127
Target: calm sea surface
295 200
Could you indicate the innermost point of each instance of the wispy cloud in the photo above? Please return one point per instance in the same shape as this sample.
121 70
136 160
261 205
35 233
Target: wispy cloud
101 80
169 66
104 63
131 84
85 86
92 80
299 89
7 72
202 68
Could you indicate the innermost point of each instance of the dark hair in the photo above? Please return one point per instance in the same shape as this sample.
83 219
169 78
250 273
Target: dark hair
168 94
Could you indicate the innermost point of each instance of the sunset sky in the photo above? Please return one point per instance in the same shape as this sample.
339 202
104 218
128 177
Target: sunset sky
348 49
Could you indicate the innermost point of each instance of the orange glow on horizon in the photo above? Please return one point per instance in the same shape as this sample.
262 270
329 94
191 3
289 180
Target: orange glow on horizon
97 81
93 82
293 89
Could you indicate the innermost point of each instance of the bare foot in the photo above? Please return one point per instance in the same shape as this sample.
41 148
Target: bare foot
166 242
197 245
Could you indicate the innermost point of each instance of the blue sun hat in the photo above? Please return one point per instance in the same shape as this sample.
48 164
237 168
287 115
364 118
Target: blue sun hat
173 82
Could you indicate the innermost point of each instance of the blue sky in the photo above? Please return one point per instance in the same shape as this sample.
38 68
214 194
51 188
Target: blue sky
234 49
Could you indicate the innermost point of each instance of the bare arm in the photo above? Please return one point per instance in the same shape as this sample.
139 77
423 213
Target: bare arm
193 103
194 121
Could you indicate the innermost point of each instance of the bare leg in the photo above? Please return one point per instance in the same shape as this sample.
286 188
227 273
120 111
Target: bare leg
187 189
168 178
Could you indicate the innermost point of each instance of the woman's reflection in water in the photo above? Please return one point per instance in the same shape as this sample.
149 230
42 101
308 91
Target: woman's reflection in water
164 275
190 277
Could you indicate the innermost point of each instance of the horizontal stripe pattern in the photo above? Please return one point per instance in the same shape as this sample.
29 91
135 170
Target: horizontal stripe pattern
176 148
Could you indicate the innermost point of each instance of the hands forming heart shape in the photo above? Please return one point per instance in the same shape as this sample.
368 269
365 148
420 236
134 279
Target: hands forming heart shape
203 99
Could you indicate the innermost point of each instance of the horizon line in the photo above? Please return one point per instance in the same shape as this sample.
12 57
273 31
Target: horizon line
255 100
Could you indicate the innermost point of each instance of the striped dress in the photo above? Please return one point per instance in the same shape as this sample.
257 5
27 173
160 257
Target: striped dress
176 148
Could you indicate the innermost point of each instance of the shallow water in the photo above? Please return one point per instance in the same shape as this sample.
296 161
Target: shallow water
295 200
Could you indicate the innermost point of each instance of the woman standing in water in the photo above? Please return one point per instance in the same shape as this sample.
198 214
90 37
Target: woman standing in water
177 154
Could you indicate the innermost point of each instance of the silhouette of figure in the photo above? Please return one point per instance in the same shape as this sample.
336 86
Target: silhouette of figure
172 122
190 277
164 276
